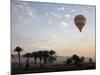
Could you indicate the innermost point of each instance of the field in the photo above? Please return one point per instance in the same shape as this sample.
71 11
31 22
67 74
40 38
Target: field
51 68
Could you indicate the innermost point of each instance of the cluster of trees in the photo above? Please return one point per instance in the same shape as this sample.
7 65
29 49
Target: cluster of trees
44 55
76 60
41 55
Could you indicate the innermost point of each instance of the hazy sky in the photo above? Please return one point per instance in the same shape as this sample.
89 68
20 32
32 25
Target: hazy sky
42 26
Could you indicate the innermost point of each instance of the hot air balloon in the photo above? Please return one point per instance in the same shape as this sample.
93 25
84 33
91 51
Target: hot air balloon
80 21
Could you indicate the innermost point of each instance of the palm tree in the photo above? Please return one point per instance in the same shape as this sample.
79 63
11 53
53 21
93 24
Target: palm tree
35 55
27 55
55 58
52 57
40 55
52 53
45 56
18 50
51 60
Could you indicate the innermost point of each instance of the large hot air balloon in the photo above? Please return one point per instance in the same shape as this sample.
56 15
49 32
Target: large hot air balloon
80 21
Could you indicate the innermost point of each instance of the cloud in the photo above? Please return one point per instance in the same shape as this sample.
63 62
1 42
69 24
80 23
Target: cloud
24 9
30 11
61 8
85 11
55 14
67 15
65 24
50 21
31 14
73 10
22 13
46 14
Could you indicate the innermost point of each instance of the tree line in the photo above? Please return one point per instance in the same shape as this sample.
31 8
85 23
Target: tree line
41 55
76 60
45 55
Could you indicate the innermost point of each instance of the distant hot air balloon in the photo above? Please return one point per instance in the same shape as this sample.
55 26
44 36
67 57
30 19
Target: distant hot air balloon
80 21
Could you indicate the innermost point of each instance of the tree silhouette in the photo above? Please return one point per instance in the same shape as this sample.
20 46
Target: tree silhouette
52 57
12 55
40 55
18 50
35 56
55 58
76 59
90 60
82 59
45 56
27 55
69 61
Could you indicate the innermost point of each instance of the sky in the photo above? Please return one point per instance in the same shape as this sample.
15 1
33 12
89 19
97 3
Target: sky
45 26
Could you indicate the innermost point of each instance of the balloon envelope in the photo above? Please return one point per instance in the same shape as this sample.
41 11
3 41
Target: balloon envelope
80 21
